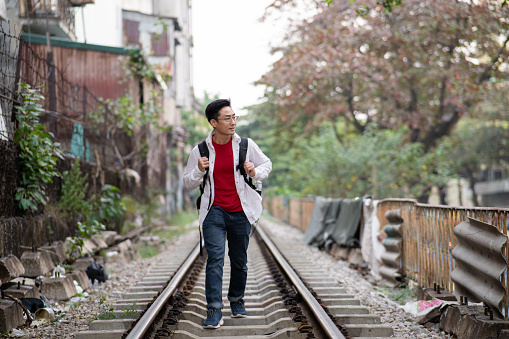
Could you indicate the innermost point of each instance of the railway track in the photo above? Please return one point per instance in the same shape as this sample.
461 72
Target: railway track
287 296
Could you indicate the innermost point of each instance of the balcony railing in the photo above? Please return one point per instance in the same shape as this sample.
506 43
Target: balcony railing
61 11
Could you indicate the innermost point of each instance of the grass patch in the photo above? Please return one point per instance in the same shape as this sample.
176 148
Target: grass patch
183 218
174 227
400 294
147 251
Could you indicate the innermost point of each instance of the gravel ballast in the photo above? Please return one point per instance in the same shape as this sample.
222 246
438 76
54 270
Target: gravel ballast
75 314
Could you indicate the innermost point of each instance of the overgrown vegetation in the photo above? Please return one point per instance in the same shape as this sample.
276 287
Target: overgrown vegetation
74 191
93 214
84 231
105 310
38 154
175 226
401 294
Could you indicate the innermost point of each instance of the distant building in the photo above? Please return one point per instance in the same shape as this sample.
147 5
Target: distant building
493 187
161 29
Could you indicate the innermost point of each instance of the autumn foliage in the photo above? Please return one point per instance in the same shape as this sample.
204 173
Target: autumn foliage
423 65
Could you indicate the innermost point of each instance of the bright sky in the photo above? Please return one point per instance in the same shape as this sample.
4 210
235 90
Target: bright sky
231 49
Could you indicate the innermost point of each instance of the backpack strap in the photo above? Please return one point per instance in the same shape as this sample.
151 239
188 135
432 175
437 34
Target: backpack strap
242 158
204 152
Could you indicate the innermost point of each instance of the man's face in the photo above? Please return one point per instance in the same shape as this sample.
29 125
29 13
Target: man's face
226 122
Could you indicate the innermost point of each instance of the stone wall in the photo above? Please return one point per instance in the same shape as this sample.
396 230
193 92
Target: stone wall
19 234
20 231
8 179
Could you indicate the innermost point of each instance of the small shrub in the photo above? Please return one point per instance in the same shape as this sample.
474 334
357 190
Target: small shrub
38 154
74 190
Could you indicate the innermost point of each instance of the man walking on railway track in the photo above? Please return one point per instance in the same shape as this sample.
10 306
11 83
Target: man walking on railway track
228 206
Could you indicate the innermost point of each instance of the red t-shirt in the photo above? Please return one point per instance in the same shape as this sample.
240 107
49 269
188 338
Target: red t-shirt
224 179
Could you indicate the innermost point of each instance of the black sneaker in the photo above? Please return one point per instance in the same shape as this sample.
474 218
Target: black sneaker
214 318
238 309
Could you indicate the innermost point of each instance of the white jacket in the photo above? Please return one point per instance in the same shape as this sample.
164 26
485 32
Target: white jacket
251 201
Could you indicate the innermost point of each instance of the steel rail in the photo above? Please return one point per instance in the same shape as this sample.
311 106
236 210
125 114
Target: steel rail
148 318
325 321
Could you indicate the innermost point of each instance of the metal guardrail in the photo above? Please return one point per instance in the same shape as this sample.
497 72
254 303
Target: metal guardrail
479 264
391 270
428 237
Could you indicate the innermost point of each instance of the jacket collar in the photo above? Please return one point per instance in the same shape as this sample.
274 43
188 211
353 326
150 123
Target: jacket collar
235 138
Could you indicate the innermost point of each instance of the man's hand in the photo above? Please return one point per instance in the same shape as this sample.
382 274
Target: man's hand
250 168
203 163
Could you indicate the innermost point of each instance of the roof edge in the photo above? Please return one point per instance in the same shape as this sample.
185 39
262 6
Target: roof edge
40 39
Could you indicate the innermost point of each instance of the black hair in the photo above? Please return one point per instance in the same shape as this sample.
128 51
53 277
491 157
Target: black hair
212 110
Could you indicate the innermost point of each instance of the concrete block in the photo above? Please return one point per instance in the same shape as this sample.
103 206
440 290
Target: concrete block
58 288
119 259
11 315
134 254
24 281
432 316
10 268
22 291
124 246
81 264
89 247
99 242
504 334
104 334
58 251
118 239
81 277
430 294
457 319
117 324
109 237
481 327
36 263
369 330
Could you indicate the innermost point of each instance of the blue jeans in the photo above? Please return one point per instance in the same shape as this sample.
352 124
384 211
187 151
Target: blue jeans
218 226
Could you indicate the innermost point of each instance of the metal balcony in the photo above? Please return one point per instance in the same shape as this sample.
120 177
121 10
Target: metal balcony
55 16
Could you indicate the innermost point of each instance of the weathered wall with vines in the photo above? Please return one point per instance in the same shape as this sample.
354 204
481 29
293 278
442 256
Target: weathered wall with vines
20 231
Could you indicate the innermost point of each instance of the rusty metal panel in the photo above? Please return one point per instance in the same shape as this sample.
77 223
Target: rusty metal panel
391 270
102 71
479 263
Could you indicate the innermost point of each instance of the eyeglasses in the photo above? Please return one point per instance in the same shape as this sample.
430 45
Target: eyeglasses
229 119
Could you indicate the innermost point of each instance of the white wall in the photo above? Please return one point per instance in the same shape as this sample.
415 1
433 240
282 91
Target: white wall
3 10
143 6
163 7
103 23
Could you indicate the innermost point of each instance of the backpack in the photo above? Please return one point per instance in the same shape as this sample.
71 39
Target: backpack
204 152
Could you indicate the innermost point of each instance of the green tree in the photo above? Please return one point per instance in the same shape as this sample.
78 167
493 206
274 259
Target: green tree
423 66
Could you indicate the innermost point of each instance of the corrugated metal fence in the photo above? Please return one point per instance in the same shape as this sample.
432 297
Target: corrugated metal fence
427 236
295 211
